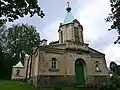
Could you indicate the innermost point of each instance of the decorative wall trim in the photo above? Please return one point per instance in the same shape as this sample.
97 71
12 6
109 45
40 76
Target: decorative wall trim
53 52
56 70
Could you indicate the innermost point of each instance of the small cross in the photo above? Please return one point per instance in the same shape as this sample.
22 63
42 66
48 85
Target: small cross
68 3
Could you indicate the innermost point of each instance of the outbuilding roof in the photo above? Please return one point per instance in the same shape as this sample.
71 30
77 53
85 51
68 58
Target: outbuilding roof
19 64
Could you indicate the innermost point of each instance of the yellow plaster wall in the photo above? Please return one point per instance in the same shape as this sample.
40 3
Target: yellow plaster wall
35 64
103 66
66 60
44 69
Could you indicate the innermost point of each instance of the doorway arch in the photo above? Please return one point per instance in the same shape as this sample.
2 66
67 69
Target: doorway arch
79 71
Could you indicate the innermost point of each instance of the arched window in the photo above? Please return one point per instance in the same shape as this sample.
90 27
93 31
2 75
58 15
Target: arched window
53 66
61 35
76 34
17 72
97 66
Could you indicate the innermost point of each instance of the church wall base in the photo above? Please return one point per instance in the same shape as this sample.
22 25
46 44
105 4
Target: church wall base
96 80
54 81
61 81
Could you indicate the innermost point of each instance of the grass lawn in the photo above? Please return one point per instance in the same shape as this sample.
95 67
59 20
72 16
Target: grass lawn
19 85
15 85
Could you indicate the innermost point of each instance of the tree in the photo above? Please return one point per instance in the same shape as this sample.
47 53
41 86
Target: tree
115 68
11 10
1 62
113 83
3 37
21 40
4 61
114 17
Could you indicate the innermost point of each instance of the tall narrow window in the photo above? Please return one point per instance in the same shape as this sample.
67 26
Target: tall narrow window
97 66
61 33
17 72
76 33
53 63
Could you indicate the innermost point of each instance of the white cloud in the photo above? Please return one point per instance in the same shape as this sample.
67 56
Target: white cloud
50 31
113 53
92 18
96 30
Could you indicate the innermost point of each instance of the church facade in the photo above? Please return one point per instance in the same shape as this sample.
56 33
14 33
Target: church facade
68 61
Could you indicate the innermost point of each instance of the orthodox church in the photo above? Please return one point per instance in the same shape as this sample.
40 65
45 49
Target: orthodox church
67 61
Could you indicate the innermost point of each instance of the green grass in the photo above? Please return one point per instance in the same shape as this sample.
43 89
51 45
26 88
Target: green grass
15 85
19 85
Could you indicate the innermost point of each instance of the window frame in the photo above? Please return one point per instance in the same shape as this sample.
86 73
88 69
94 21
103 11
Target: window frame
97 66
54 63
61 35
17 72
76 34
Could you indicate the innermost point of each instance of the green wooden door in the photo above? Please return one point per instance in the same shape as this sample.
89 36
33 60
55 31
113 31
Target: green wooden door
79 71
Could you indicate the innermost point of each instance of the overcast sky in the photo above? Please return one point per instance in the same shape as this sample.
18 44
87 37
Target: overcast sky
90 13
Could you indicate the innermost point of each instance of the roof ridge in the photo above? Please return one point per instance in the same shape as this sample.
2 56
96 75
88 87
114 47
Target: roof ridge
19 64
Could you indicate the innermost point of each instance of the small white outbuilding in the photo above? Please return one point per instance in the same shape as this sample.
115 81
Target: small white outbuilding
18 71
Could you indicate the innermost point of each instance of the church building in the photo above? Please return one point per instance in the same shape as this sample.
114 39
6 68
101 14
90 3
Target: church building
67 61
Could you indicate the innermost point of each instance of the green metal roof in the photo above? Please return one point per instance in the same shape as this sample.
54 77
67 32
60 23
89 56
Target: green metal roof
19 64
69 17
